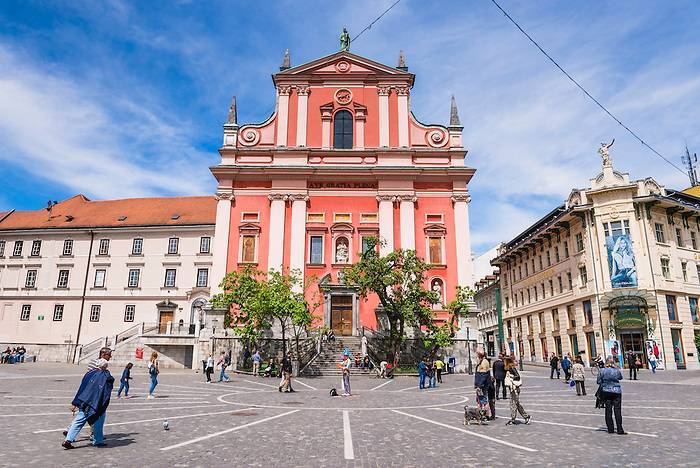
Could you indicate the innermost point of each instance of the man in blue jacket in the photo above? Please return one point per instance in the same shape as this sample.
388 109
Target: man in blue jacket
91 401
422 371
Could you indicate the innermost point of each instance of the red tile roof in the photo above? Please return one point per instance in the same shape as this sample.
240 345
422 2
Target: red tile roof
80 212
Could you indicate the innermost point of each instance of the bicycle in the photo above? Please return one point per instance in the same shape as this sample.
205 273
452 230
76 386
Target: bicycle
595 370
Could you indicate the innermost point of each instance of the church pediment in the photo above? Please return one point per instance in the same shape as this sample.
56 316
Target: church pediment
344 64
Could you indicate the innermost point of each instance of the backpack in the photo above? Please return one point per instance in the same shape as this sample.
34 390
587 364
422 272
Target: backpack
333 392
227 360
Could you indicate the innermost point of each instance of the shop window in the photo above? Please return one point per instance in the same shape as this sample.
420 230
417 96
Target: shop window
693 303
672 308
588 312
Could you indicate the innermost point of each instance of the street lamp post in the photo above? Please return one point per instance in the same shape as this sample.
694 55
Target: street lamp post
470 371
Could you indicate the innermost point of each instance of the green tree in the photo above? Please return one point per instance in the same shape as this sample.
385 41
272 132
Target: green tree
398 280
256 300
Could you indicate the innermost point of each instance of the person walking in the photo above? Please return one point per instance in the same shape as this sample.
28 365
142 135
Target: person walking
432 375
579 376
91 402
632 364
287 374
153 371
222 363
652 362
256 363
566 367
514 382
483 373
611 393
439 365
492 398
124 381
209 367
554 366
499 375
422 373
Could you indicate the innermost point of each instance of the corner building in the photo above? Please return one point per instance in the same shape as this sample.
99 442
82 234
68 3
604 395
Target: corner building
614 269
341 159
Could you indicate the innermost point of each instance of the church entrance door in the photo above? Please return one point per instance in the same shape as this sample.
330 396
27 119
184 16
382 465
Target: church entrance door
341 314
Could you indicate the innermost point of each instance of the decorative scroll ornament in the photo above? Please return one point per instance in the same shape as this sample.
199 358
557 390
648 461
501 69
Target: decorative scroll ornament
436 138
249 137
343 96
409 198
343 66
384 197
298 197
461 197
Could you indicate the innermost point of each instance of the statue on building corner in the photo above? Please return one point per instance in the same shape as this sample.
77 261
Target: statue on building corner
604 152
344 40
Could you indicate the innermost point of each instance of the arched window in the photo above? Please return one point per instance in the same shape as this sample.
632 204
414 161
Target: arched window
342 130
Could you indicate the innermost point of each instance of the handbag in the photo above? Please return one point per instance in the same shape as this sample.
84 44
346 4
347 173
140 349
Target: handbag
638 363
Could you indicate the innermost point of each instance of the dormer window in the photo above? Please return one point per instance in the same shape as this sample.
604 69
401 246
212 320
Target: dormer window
342 130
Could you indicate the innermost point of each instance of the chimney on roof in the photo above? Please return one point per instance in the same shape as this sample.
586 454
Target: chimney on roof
402 62
232 119
286 62
454 115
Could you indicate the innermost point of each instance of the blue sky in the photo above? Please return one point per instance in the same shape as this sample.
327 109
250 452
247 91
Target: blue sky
122 99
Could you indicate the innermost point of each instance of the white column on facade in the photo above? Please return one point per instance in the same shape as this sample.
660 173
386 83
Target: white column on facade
326 116
282 114
402 93
221 238
465 269
360 128
386 223
297 242
275 250
383 115
302 112
408 223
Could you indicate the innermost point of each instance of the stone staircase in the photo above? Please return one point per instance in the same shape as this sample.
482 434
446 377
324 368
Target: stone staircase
326 363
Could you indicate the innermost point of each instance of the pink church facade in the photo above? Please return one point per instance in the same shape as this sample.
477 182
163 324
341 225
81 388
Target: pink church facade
343 158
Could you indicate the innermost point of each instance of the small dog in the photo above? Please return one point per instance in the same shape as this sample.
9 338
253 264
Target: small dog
474 414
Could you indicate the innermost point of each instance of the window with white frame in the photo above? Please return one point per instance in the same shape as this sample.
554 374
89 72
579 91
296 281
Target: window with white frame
202 277
173 244
666 268
36 248
170 277
684 270
579 242
62 279
129 313
342 250
95 313
616 228
26 312
68 247
366 244
2 248
30 281
17 250
316 250
133 281
58 312
204 245
104 247
583 275
659 232
100 278
137 246
435 248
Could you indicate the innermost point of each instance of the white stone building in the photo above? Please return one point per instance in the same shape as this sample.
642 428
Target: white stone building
485 297
616 268
114 263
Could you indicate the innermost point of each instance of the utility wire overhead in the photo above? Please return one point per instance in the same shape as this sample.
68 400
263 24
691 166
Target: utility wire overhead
598 103
375 20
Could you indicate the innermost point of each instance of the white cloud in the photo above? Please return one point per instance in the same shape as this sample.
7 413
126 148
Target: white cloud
92 141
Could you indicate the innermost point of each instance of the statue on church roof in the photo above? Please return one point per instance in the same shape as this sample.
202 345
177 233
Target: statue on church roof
232 119
604 152
344 40
286 61
402 62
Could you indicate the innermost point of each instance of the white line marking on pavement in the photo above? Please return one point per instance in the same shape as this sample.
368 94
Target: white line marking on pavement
600 429
305 385
415 387
196 389
349 452
475 434
260 383
69 398
626 407
646 418
169 418
112 404
65 413
243 426
381 385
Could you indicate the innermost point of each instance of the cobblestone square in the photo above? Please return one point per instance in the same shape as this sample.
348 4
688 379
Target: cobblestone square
247 422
